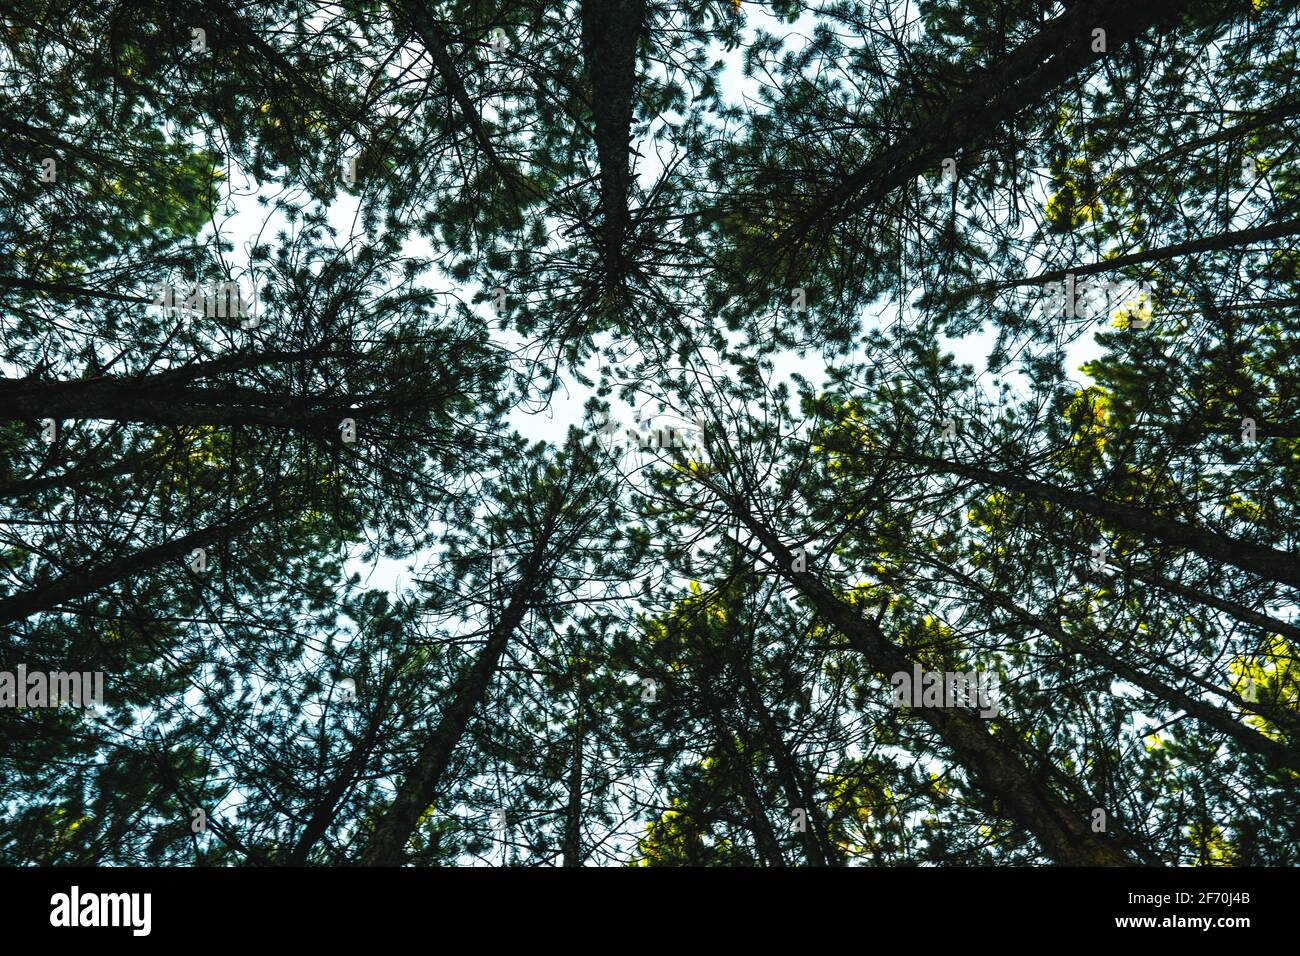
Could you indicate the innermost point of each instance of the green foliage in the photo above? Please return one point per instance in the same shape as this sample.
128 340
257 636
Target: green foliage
358 598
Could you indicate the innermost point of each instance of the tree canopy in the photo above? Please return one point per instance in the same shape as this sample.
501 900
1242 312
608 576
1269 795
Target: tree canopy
614 432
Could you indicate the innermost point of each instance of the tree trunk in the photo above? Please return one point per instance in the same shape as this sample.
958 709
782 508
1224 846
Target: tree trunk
769 848
1233 609
573 812
798 791
1028 73
1061 830
1227 240
611 30
420 788
1258 559
328 806
162 403
1275 753
434 40
80 475
86 580
64 288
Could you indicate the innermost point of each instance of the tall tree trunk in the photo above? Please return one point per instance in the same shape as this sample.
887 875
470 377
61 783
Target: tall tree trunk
244 35
434 40
161 403
86 580
1226 240
1043 63
327 807
420 788
1233 609
611 30
64 288
815 836
1275 753
1258 559
769 848
1285 108
573 811
1062 831
78 476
